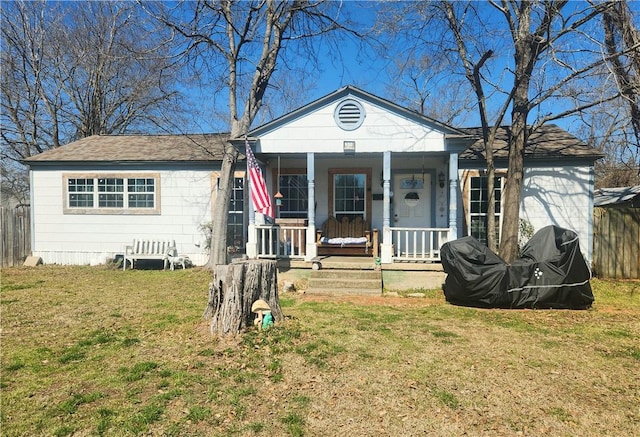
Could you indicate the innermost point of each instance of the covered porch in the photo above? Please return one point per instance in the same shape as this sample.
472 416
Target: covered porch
351 156
411 209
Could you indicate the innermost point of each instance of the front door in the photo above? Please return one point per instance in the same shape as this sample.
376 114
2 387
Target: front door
411 209
412 200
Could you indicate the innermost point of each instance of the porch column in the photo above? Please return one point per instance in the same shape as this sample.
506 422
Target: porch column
311 249
386 249
252 233
453 196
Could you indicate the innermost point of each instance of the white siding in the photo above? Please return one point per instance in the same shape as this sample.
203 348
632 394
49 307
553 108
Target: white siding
185 199
560 196
381 131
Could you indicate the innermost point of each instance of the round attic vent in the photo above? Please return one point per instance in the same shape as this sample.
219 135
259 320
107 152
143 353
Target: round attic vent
349 115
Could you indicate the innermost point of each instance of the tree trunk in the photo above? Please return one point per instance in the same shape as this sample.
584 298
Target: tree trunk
235 287
218 250
513 190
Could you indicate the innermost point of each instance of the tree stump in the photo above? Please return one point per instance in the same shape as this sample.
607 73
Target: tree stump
234 289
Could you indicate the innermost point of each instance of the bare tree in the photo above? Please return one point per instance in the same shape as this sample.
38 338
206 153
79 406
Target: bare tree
622 41
537 30
609 129
555 58
76 69
243 43
472 71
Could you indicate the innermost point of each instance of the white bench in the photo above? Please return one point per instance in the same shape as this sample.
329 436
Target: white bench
148 249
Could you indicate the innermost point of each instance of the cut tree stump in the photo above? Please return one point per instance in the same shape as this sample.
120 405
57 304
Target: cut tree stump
234 289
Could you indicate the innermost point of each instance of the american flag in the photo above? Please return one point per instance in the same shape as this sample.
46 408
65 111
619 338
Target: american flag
259 193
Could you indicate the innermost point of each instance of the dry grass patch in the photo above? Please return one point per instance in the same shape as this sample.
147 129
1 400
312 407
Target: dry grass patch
94 351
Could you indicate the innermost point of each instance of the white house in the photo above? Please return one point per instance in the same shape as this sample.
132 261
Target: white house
349 155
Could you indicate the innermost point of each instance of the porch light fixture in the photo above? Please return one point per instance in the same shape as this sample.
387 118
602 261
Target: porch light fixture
441 179
349 147
278 198
278 195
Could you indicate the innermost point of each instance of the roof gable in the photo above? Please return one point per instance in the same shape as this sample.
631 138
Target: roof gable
355 93
350 115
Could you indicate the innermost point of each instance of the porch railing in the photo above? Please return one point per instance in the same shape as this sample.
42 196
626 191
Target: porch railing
277 241
418 244
409 244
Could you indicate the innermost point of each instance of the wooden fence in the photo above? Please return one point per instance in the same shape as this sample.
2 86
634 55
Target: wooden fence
16 235
616 243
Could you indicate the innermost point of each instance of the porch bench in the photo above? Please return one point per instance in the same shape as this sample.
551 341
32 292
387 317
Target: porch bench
149 249
347 238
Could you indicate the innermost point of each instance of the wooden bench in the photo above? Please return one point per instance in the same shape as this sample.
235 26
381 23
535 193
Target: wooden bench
347 238
148 249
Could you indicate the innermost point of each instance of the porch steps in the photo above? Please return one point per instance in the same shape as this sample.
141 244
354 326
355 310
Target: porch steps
345 281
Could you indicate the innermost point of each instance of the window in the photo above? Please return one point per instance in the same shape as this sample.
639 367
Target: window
112 194
293 188
479 207
349 195
80 193
141 192
235 222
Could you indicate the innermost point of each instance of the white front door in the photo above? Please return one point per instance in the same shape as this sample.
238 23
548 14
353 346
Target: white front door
411 209
412 200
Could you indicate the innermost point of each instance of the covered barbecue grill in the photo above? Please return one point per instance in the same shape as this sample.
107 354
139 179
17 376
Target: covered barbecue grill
551 273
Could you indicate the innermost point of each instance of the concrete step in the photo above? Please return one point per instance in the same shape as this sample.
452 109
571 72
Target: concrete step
344 292
344 263
351 274
345 282
352 284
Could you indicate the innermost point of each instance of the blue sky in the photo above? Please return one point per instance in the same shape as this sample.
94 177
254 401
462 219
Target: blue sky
352 65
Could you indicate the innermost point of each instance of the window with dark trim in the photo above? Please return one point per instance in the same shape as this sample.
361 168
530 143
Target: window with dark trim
235 222
479 207
295 196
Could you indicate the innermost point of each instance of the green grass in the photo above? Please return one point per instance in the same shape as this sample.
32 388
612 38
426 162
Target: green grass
97 351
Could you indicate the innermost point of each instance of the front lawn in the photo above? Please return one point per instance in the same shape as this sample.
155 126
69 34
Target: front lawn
95 351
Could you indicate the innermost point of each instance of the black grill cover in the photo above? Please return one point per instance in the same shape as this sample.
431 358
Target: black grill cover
551 273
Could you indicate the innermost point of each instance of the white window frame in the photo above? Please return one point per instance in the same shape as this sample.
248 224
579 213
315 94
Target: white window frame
103 185
498 215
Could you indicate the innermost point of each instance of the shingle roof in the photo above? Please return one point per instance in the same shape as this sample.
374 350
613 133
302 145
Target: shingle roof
136 148
548 141
617 196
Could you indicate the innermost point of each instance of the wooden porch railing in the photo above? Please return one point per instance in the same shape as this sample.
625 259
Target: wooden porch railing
277 241
418 244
